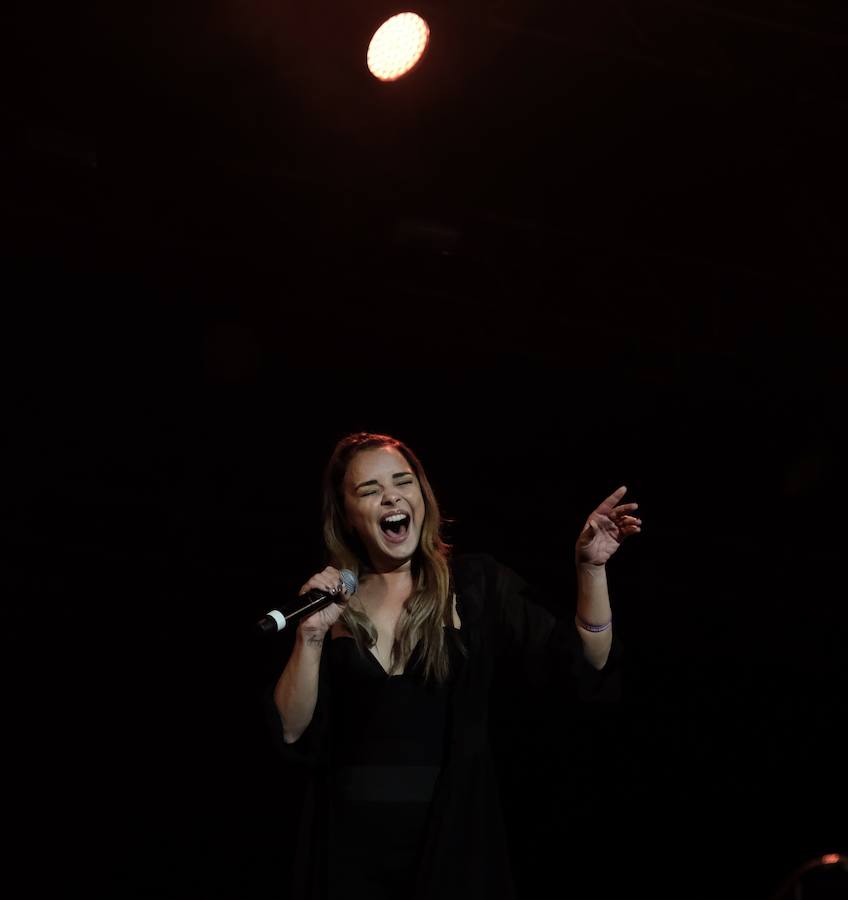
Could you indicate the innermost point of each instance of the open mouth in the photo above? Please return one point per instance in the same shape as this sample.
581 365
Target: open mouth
395 527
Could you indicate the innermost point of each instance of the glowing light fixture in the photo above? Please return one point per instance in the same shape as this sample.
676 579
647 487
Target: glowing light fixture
397 45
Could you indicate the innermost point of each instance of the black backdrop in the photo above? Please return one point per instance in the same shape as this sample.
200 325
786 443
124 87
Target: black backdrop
609 251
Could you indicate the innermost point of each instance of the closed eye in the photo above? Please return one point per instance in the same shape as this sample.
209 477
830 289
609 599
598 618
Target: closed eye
399 483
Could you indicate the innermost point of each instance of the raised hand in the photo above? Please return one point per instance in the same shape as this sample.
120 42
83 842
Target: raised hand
605 529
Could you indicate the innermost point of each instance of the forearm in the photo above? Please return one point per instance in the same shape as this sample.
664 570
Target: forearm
593 607
296 692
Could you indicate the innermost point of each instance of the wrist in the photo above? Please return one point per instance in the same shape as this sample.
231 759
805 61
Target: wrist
594 627
311 638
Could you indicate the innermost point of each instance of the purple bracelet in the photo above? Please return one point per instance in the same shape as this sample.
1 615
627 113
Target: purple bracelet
595 628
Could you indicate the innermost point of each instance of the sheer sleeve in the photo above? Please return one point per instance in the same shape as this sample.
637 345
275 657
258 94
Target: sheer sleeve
543 645
310 749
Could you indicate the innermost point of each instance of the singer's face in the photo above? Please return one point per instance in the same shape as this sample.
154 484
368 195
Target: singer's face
380 483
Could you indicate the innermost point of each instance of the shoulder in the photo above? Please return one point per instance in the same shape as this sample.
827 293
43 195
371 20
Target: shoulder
484 569
473 571
476 578
472 565
468 576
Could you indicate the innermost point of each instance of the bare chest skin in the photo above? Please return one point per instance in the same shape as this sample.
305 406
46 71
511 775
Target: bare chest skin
384 616
385 621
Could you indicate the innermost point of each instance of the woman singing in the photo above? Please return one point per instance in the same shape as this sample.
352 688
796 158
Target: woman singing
385 695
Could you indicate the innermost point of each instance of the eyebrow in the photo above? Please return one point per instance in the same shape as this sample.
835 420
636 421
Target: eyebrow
374 480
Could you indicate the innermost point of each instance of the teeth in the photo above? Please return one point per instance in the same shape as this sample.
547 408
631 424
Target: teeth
399 517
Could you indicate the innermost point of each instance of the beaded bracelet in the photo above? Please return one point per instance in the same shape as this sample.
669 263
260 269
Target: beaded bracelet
594 628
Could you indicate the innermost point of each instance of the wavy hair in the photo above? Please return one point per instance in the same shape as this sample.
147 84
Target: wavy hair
429 609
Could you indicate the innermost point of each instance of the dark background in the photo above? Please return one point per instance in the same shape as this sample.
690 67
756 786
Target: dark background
576 248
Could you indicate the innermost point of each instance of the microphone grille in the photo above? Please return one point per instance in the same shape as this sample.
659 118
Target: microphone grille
349 580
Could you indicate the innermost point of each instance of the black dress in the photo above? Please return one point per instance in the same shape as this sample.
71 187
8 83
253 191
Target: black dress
387 748
401 784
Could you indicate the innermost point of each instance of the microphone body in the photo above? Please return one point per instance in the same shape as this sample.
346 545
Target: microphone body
305 605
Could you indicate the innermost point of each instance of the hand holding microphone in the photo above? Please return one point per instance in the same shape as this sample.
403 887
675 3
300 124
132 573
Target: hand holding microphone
320 603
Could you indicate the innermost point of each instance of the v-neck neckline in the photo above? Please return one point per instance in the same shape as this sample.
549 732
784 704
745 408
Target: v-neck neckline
349 637
411 656
380 666
383 669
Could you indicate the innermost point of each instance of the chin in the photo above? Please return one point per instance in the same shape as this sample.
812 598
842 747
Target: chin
406 550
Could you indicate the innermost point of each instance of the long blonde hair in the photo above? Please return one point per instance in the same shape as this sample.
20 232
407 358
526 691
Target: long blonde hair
429 609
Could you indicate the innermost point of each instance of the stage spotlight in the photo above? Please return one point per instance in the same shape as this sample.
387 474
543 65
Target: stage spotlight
822 878
397 45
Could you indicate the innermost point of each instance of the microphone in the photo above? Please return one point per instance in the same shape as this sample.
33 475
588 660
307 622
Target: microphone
305 605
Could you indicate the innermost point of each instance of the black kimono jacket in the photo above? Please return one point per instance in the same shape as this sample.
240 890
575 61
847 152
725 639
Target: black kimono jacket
466 852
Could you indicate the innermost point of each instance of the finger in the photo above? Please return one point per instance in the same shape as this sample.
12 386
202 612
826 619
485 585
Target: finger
329 579
336 580
624 506
322 583
613 499
588 530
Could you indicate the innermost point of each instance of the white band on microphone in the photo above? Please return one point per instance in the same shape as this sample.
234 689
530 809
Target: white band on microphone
279 618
